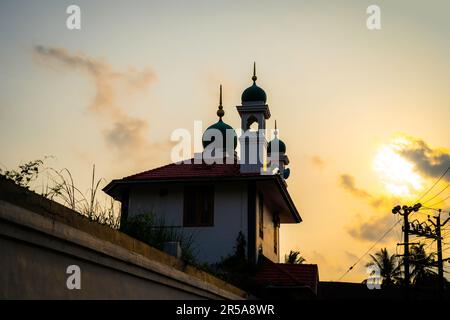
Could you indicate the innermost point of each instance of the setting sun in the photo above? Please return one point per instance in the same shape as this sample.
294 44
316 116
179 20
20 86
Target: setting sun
396 173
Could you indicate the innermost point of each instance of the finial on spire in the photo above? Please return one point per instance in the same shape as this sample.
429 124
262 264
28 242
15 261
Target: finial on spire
220 112
276 130
254 72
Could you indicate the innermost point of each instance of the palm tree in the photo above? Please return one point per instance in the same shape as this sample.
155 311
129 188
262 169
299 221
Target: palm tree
388 265
294 257
421 263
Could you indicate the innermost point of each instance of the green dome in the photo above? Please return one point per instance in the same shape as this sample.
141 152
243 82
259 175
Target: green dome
222 127
274 142
254 94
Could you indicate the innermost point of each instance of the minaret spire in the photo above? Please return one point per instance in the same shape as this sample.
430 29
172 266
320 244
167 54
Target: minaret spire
254 72
220 112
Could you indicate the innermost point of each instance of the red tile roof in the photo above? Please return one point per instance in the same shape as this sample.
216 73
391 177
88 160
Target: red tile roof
287 275
190 170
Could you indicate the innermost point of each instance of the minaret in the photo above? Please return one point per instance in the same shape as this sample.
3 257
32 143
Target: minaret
253 143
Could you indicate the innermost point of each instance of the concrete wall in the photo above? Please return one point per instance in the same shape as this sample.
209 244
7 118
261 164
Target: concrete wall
39 239
211 243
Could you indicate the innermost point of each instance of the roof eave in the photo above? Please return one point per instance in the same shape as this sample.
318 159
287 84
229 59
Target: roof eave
288 199
112 186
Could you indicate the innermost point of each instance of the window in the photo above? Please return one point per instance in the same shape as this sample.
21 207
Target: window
276 228
261 215
252 124
198 206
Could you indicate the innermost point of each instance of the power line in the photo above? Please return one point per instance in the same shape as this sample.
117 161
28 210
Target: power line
434 204
393 226
370 249
428 208
422 209
448 185
437 181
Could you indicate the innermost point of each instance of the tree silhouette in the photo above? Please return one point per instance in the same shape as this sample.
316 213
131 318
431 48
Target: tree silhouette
421 263
389 266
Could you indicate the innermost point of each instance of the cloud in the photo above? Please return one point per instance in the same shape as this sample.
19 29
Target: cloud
348 183
373 229
124 133
429 161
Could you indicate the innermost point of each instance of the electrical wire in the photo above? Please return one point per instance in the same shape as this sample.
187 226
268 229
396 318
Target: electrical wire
393 226
434 204
437 181
428 208
370 249
437 194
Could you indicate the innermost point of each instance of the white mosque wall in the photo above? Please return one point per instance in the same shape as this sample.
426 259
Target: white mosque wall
210 243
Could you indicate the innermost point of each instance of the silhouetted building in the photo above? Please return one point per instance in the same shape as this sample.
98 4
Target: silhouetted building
215 196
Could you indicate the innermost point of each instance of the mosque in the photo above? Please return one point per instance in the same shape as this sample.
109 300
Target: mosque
215 201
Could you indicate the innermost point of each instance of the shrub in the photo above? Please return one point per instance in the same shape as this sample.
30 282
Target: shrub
154 231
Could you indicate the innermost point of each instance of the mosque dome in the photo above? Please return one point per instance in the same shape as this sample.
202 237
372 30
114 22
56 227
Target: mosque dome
222 127
254 93
276 144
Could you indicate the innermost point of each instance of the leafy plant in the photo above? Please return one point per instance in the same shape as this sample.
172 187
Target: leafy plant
153 230
235 268
294 257
26 173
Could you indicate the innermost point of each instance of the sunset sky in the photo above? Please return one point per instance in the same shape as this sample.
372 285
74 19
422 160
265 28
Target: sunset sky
364 114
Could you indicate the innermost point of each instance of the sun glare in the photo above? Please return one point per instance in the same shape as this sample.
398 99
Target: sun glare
395 172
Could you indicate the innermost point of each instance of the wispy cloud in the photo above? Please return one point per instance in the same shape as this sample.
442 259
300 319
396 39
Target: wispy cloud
347 181
123 132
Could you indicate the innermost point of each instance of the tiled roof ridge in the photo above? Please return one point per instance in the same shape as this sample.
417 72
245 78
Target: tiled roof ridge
309 270
157 168
189 167
278 267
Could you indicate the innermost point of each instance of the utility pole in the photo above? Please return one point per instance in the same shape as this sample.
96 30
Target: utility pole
405 211
437 226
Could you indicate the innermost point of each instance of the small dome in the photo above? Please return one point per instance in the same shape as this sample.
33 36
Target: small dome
222 127
254 94
276 142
